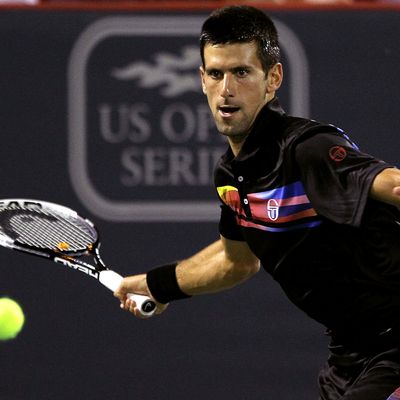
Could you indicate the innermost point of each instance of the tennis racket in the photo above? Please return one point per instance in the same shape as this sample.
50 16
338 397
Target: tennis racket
59 234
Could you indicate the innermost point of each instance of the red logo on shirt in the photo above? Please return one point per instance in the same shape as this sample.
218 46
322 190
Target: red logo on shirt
337 153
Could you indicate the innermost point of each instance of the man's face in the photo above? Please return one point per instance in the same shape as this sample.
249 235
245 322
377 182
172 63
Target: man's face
236 86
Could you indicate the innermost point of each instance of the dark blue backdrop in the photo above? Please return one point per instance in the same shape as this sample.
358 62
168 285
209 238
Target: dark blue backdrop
80 125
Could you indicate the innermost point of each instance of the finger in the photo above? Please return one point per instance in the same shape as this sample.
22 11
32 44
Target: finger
120 292
125 303
117 294
396 190
130 306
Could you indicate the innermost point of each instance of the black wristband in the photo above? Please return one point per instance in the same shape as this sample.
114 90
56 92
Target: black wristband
163 284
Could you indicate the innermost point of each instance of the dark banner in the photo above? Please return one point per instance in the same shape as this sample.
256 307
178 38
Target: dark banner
103 112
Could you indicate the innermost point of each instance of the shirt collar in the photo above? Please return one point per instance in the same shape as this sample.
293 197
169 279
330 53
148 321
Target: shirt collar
264 131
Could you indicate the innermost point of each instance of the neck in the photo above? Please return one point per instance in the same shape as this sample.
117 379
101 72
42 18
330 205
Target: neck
236 143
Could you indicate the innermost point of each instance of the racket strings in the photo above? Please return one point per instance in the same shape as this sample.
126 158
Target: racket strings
48 230
48 233
76 232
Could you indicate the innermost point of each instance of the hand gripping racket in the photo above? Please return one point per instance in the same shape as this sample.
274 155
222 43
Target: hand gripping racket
59 234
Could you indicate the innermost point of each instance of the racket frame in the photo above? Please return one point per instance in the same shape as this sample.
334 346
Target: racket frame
71 259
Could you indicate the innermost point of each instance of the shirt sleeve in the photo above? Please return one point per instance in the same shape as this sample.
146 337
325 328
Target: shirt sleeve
337 176
228 226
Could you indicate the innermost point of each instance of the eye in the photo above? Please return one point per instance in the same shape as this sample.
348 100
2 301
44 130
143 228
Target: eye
214 73
241 72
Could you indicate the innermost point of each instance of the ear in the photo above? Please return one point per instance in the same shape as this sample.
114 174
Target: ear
202 75
274 78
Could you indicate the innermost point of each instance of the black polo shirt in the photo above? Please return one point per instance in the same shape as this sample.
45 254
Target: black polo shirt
297 193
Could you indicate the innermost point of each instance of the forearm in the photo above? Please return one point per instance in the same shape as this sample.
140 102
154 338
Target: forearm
220 266
216 268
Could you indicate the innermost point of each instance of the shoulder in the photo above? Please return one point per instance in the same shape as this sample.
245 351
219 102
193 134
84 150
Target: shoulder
331 146
302 129
310 138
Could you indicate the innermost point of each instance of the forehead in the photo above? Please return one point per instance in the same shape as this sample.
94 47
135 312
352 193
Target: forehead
229 55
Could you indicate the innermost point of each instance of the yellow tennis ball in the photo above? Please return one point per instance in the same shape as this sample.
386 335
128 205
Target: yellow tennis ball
12 318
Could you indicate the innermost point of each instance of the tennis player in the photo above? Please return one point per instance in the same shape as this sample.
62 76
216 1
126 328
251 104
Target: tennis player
301 199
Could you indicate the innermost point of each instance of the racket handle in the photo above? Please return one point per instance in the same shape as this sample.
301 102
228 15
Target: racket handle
146 306
112 280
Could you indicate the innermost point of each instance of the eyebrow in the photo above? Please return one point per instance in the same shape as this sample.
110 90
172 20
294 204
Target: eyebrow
233 69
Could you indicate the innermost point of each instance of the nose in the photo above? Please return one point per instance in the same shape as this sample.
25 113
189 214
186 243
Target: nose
227 89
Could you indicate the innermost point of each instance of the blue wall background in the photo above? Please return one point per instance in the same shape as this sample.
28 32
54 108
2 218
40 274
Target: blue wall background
248 343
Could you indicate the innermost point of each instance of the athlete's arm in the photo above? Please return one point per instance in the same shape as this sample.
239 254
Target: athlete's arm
220 266
386 186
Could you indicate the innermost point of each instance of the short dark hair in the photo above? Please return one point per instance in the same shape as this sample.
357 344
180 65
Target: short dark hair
242 24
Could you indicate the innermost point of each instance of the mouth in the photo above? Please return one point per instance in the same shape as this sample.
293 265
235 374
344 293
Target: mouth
227 111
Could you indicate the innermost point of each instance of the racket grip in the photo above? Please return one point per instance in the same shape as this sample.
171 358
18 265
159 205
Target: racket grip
112 280
146 306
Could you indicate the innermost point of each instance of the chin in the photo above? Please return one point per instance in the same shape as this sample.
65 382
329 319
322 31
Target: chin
226 132
225 129
230 130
